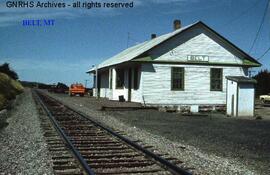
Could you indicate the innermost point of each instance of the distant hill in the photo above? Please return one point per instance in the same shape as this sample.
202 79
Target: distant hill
35 84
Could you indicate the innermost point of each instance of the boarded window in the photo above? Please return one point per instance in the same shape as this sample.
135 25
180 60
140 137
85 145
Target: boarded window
177 78
120 74
135 80
216 79
111 75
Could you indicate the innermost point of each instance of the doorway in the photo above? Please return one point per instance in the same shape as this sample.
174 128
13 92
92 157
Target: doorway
129 83
232 112
98 86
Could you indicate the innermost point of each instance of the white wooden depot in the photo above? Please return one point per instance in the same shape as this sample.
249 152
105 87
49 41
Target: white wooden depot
197 48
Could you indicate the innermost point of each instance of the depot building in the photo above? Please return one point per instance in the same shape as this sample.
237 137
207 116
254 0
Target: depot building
190 67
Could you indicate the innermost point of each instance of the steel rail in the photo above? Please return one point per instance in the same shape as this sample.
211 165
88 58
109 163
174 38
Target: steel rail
84 164
173 168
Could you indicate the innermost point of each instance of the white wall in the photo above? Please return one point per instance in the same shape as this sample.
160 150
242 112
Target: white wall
232 91
246 100
157 85
155 79
196 42
243 99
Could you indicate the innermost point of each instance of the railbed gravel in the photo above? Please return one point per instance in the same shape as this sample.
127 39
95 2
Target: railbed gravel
198 161
23 147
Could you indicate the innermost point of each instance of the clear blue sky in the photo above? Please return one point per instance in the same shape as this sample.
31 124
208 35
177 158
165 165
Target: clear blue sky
82 38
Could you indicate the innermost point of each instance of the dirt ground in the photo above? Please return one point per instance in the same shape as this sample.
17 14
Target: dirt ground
262 110
244 139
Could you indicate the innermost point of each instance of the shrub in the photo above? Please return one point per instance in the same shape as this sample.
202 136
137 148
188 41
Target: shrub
9 88
4 68
3 101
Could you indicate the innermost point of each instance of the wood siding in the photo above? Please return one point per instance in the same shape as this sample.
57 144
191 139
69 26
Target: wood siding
157 85
246 100
196 42
155 79
231 97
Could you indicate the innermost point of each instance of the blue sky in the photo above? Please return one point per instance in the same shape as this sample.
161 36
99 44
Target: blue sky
82 38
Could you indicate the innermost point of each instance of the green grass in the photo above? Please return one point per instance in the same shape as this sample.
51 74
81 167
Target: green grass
9 88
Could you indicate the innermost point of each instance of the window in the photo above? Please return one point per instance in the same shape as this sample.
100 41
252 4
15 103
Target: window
135 79
177 78
120 78
216 79
111 75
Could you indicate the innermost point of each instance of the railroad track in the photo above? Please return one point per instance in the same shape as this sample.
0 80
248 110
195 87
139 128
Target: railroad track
97 149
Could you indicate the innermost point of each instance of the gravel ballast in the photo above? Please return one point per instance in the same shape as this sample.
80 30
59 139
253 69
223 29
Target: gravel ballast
199 148
23 149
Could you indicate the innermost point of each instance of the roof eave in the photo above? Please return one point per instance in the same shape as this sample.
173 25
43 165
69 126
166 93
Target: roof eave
241 79
233 45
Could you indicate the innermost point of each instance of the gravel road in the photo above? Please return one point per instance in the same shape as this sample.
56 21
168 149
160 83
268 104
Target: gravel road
247 142
215 145
23 148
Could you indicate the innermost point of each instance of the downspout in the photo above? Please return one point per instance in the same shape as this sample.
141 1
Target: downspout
237 98
97 82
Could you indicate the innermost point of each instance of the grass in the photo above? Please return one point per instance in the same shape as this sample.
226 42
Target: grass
9 88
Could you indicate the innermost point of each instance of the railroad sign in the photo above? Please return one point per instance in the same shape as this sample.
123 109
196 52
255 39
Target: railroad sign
198 58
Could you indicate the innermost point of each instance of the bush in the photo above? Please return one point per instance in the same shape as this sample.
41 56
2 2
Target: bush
9 88
263 85
4 68
3 101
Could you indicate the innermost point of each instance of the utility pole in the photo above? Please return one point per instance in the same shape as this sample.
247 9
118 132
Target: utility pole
95 87
85 84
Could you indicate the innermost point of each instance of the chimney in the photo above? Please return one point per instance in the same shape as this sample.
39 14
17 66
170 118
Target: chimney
153 35
176 24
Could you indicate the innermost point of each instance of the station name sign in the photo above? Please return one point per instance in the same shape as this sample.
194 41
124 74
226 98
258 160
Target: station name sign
198 58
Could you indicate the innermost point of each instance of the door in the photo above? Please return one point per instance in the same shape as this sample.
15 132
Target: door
232 107
129 83
98 85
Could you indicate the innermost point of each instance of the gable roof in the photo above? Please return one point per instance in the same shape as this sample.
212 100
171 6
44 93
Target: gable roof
137 50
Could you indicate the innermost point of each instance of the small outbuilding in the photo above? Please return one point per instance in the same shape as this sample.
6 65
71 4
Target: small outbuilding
240 96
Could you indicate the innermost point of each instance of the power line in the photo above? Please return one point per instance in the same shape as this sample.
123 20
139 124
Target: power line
128 38
264 53
243 13
257 34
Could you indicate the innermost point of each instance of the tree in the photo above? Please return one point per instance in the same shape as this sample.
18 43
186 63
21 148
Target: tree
263 82
61 85
4 68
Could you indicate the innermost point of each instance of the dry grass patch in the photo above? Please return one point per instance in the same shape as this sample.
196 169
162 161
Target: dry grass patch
9 88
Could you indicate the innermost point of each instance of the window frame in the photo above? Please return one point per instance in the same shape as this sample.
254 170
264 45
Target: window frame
220 79
116 82
182 79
